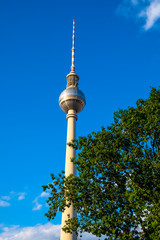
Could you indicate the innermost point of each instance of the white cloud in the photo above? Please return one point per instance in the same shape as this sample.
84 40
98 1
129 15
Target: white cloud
147 10
151 14
37 207
13 195
47 231
89 236
4 203
6 198
21 195
38 232
134 2
44 194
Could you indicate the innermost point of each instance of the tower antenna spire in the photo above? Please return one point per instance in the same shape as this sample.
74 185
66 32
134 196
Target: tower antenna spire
73 49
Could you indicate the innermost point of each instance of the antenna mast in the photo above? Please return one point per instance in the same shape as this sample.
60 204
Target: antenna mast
73 49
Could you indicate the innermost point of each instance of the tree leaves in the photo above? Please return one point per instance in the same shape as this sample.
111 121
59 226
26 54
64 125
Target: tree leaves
116 191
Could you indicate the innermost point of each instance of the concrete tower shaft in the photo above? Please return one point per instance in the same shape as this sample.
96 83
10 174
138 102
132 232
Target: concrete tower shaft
70 168
72 101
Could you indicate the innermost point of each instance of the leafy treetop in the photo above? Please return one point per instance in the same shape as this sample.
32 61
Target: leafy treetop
116 191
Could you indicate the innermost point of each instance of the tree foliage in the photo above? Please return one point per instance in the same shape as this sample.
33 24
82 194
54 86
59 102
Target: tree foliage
116 191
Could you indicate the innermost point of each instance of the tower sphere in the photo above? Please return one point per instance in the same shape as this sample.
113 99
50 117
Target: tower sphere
72 98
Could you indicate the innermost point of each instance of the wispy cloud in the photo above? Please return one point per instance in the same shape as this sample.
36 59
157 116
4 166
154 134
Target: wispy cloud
147 11
5 200
4 203
37 205
44 194
21 196
47 231
134 2
151 14
38 232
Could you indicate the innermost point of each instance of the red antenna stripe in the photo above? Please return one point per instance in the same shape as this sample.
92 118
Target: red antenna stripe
73 51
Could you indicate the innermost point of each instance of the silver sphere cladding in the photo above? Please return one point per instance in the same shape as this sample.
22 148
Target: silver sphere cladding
72 98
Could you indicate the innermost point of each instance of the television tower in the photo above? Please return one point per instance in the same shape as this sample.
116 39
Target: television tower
71 101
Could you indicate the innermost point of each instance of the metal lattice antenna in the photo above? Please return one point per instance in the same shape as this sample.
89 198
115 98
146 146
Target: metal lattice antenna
73 49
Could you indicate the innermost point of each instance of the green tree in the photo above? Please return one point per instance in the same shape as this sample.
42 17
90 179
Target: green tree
116 192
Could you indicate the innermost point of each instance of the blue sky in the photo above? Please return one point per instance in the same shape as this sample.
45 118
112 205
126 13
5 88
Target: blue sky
117 60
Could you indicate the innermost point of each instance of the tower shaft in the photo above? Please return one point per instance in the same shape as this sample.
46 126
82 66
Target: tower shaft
70 168
70 151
